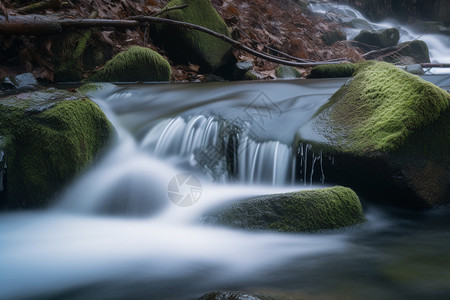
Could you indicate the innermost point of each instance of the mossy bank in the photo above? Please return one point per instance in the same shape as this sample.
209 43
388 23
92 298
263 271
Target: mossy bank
304 211
48 137
392 127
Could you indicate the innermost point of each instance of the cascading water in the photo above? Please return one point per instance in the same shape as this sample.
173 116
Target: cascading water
115 234
438 44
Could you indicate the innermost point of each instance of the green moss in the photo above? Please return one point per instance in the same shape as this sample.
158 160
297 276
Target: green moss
304 211
135 64
335 70
287 72
53 136
68 62
193 46
382 106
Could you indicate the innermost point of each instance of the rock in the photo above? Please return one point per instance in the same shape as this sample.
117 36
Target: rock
20 83
253 75
135 64
67 56
225 295
287 72
303 211
369 39
48 137
416 49
415 69
333 36
334 70
183 46
388 131
241 68
358 24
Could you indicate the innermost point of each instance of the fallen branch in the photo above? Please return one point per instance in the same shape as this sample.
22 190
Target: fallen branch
47 25
169 9
43 5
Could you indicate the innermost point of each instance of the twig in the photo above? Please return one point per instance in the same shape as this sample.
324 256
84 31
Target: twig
169 9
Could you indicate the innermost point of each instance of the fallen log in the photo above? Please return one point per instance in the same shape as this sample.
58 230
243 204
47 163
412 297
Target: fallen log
49 25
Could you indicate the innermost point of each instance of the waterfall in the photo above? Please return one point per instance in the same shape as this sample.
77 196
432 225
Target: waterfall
222 149
438 44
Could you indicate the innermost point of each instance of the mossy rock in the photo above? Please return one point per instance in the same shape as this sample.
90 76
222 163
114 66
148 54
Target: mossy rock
67 56
304 211
335 70
183 45
331 37
134 64
370 39
49 137
392 127
287 72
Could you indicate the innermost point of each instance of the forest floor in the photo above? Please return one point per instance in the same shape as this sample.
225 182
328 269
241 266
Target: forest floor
267 26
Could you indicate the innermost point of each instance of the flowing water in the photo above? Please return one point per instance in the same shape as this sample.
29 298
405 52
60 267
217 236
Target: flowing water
118 233
438 43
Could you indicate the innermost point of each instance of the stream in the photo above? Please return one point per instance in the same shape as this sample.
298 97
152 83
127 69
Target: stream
117 233
130 227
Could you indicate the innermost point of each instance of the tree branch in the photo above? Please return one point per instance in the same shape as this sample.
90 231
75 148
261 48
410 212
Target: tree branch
47 25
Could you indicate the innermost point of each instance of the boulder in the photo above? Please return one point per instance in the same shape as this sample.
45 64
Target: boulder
388 132
331 37
417 50
183 45
303 211
135 64
287 72
47 138
370 39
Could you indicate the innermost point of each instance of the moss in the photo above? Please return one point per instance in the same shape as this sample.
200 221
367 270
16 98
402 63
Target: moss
304 211
380 108
135 64
53 136
252 75
335 70
68 62
185 45
287 72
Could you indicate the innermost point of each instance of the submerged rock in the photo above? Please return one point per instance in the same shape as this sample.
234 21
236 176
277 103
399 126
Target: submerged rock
303 211
49 136
388 131
135 64
225 295
369 39
183 45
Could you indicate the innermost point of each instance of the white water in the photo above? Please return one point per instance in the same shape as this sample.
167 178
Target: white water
438 44
115 234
